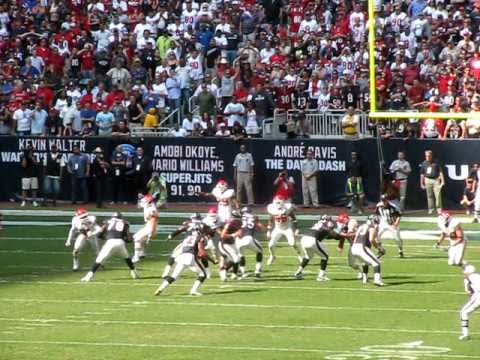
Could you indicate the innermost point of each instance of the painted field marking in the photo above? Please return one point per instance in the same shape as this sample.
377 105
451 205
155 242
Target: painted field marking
234 305
243 285
228 325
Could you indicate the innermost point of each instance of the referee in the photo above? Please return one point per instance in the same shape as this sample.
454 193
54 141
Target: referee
243 174
432 181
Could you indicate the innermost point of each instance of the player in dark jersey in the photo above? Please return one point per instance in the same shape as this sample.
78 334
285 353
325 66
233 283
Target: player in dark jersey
247 240
311 243
191 227
365 238
117 233
390 216
230 254
192 252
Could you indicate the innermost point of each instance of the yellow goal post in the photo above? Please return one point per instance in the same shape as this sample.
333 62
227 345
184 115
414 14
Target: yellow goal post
397 115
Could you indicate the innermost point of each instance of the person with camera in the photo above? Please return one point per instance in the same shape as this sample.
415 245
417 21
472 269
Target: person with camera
284 186
118 164
355 194
78 166
100 170
53 166
29 167
157 187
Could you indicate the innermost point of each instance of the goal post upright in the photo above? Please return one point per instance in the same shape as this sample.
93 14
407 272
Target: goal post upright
371 55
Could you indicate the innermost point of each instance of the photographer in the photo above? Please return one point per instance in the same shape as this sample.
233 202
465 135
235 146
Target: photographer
284 186
53 166
100 169
355 194
29 165
118 166
157 187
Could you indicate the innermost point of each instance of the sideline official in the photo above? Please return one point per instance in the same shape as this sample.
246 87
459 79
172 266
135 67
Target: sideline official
432 181
243 174
309 168
401 169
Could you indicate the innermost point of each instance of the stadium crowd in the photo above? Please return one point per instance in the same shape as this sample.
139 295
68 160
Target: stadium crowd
100 67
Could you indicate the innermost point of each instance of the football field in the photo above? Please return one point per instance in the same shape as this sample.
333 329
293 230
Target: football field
47 313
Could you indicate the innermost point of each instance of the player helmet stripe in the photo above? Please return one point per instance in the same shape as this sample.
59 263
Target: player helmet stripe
81 212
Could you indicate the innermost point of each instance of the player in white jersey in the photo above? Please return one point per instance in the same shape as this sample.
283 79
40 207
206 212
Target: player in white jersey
226 200
390 216
148 231
117 233
365 238
472 288
282 223
451 228
247 240
311 242
192 252
84 230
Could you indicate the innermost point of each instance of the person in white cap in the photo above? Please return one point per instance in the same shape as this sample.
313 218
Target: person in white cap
472 287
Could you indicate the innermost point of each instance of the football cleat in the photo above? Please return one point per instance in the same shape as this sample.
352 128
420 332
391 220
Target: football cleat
378 283
464 337
35 204
158 291
76 265
364 278
359 275
233 277
298 276
401 255
322 278
258 275
88 277
23 204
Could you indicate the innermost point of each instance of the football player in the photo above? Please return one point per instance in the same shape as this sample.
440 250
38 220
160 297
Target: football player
282 222
451 228
192 251
212 221
191 227
117 233
390 216
247 240
472 288
225 198
346 229
230 254
311 243
365 238
146 233
84 229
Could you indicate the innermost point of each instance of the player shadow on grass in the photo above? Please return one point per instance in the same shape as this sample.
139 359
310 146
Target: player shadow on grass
232 291
388 281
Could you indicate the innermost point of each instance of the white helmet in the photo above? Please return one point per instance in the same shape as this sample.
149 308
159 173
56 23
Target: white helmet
222 185
146 200
469 269
278 200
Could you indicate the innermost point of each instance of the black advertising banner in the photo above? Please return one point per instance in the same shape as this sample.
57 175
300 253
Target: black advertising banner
191 165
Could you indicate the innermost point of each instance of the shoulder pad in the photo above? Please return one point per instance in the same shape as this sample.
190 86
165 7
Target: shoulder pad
227 194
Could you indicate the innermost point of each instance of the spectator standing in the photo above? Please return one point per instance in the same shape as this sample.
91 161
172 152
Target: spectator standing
53 167
140 172
118 167
78 167
100 171
174 90
309 168
104 121
355 194
468 198
243 174
350 124
22 118
39 120
29 169
401 170
206 101
432 181
235 111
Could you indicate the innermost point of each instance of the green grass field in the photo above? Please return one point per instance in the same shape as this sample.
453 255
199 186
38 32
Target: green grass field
47 313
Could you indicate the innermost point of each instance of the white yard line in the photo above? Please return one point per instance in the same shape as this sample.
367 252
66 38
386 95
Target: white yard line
237 286
228 305
228 325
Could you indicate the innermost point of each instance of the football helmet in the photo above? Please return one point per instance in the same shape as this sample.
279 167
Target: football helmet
325 218
469 269
222 185
343 218
82 213
196 217
278 201
246 210
146 200
236 214
373 220
444 217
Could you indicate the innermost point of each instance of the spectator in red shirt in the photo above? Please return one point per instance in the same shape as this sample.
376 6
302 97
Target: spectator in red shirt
284 186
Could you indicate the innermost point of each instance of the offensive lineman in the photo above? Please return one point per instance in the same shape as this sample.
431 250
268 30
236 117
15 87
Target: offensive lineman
247 240
346 229
145 234
192 251
365 237
117 232
311 243
390 216
84 229
472 287
282 216
451 228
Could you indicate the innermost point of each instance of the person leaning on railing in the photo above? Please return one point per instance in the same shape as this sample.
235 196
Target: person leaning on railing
350 123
